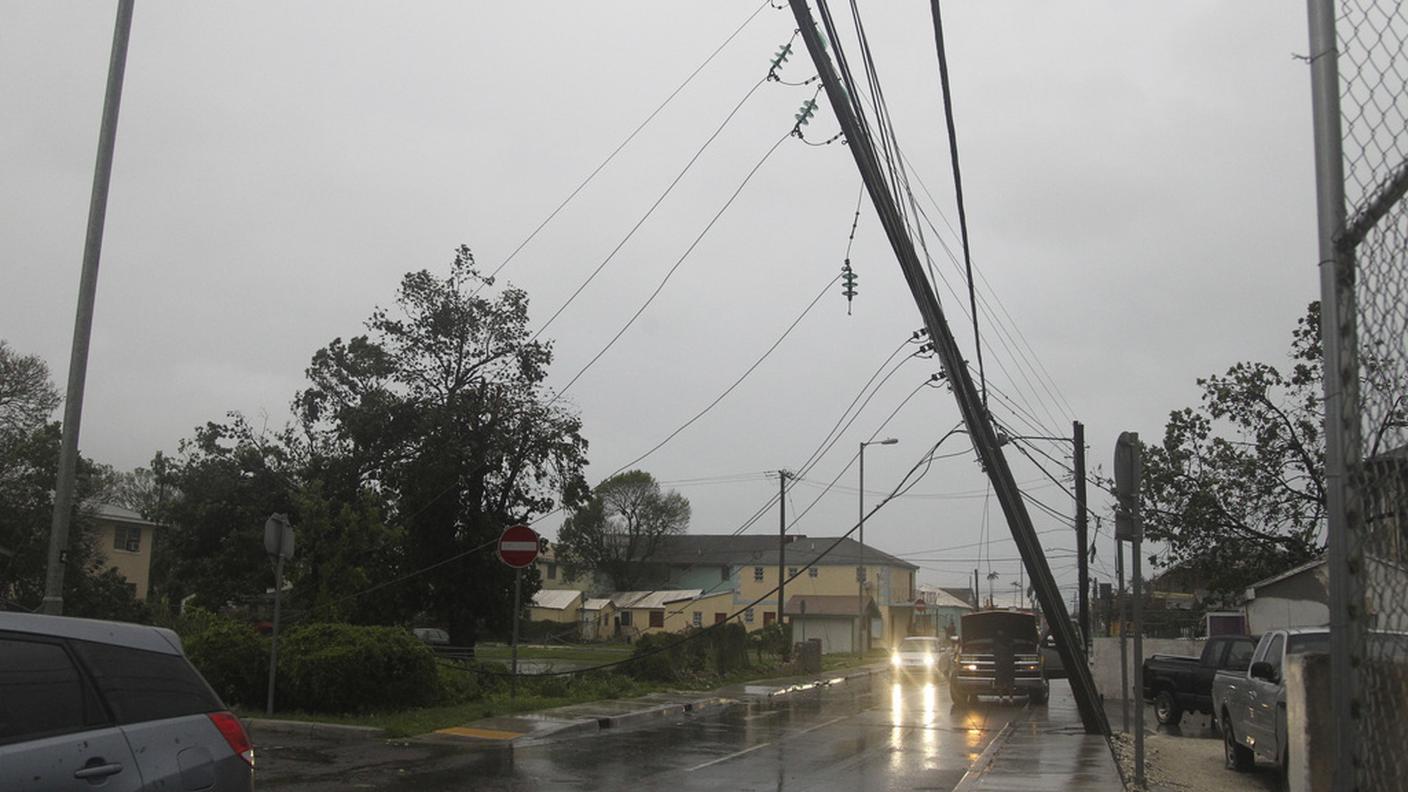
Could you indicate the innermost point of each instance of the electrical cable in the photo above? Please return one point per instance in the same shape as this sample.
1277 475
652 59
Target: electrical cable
623 144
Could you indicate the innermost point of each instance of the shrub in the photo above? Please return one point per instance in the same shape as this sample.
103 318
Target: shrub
347 668
670 657
231 656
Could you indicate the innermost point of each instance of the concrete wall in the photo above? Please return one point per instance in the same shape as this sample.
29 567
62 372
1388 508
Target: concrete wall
1310 733
1105 660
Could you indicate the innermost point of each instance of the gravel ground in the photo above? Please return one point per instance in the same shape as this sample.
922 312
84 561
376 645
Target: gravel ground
1188 759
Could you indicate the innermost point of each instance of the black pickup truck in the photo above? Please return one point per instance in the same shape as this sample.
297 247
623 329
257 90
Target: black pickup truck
1175 685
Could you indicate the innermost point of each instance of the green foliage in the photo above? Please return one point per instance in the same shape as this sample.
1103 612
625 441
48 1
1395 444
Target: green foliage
347 668
673 657
1236 487
620 526
774 639
443 405
345 547
230 654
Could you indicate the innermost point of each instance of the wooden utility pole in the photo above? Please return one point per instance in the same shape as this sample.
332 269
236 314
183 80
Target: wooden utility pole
782 476
976 419
1082 541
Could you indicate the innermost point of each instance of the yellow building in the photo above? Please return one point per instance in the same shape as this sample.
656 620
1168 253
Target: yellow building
556 605
671 610
596 621
743 571
124 540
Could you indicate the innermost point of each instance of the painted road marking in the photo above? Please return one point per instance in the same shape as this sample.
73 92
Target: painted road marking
482 734
730 756
819 726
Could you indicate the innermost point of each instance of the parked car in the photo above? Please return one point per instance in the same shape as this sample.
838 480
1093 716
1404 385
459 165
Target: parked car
1250 705
1175 684
87 704
432 636
917 654
1051 656
976 671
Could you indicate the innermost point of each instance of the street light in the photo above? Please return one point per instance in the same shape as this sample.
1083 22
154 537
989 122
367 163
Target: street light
861 632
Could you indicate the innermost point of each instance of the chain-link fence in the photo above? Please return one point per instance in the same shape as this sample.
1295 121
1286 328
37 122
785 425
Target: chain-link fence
1371 336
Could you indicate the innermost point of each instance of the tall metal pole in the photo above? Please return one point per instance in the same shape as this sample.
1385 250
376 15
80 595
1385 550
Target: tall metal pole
1339 332
975 417
274 639
1135 548
1082 540
782 556
860 566
517 599
83 321
1124 638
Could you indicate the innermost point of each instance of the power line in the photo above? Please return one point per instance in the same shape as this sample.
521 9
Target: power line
619 148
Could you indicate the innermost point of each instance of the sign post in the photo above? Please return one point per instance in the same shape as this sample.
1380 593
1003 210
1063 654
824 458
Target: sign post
518 547
278 543
1129 469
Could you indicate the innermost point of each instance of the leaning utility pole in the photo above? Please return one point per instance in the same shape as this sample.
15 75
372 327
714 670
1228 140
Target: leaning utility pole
1082 547
83 321
975 417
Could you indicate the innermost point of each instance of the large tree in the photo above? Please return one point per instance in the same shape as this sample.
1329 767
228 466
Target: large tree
1237 486
442 409
620 526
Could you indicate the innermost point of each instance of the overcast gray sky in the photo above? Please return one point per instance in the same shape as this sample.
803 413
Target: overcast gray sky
1139 191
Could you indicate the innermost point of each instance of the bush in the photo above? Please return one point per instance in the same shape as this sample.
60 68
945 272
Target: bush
231 656
671 657
347 668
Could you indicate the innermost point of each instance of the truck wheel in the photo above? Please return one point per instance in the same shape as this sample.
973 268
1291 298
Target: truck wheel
1166 709
1237 757
1039 697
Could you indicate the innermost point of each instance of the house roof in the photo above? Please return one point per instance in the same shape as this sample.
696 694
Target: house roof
115 513
961 593
555 599
652 599
825 605
728 549
1292 572
594 603
938 598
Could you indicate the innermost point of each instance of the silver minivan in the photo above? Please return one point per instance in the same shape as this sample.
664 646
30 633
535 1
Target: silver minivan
90 704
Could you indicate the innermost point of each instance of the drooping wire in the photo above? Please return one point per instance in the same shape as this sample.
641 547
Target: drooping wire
642 125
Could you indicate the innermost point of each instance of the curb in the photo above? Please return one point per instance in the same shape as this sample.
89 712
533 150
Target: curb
275 726
696 707
970 779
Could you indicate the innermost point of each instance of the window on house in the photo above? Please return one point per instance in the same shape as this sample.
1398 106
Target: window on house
758 574
127 537
812 571
657 618
720 618
625 618
552 571
791 572
698 619
748 616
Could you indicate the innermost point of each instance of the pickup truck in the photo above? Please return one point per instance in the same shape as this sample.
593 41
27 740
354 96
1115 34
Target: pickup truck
1250 705
1176 684
998 656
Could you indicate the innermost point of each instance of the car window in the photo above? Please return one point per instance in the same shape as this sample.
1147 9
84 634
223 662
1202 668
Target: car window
143 686
1239 655
1312 642
41 692
1273 653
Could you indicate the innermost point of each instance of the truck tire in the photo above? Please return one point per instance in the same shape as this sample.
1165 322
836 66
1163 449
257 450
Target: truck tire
1237 757
1166 709
1039 697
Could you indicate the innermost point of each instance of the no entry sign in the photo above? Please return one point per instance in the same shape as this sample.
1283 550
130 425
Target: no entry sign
518 546
919 606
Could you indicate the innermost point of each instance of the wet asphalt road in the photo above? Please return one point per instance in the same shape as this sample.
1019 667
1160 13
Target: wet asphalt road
866 736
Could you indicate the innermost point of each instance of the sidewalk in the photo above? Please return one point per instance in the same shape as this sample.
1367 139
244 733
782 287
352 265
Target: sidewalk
1047 750
579 719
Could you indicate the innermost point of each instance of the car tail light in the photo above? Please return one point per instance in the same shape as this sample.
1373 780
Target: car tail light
234 734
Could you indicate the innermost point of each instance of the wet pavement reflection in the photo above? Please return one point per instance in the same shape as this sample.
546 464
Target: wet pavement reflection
867 735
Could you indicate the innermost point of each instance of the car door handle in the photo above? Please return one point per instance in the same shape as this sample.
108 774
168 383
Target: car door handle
98 770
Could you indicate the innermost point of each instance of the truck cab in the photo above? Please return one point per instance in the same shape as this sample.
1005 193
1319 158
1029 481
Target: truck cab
998 655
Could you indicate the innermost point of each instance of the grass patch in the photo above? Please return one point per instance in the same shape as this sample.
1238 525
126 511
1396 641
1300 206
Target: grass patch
573 653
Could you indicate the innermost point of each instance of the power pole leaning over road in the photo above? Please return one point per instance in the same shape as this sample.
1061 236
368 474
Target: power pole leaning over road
976 419
1082 541
83 321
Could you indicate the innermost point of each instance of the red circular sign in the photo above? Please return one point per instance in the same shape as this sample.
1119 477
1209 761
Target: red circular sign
518 546
919 605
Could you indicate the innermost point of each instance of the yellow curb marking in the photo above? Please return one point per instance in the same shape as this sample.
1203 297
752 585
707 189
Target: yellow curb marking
483 734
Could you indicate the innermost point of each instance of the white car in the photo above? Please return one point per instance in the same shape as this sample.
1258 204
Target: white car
917 654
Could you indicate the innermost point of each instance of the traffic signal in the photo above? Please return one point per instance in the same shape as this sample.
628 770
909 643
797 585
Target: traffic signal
848 284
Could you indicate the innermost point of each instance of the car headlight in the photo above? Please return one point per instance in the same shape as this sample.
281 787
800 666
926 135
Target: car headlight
895 658
970 667
928 661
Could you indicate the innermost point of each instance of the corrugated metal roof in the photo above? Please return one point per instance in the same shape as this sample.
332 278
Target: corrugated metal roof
937 597
555 599
110 511
596 604
652 599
